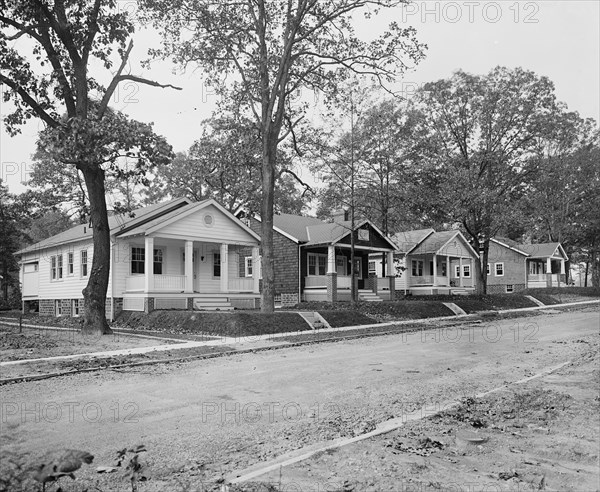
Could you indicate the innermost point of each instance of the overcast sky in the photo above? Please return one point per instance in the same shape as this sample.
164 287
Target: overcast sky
558 39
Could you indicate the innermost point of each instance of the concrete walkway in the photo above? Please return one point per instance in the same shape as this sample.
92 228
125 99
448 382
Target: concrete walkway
267 339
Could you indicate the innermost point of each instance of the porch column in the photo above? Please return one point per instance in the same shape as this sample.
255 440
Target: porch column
460 272
448 271
189 266
331 260
148 264
548 272
434 270
391 275
224 268
331 275
562 267
256 269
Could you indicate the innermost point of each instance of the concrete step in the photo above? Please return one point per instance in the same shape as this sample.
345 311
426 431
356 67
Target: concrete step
212 304
368 296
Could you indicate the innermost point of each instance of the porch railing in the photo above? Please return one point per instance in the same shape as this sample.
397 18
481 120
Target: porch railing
241 284
134 283
343 281
423 280
169 282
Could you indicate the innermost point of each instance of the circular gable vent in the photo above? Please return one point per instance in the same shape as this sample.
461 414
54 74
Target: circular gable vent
209 220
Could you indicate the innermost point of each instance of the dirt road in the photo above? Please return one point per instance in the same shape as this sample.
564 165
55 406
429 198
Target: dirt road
204 419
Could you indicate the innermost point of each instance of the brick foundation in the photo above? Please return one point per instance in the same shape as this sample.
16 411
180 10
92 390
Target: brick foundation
332 287
372 282
148 305
289 300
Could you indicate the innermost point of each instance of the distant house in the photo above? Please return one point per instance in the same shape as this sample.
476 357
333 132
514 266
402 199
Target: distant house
312 257
513 267
429 262
173 255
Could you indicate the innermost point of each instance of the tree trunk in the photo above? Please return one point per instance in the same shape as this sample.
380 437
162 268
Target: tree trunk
481 269
595 261
268 190
94 294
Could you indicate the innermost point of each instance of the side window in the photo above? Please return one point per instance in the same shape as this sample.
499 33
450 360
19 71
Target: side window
70 263
158 262
499 269
84 262
138 258
53 267
216 264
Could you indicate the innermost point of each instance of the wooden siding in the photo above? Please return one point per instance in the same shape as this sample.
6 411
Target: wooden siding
70 286
456 247
514 266
222 228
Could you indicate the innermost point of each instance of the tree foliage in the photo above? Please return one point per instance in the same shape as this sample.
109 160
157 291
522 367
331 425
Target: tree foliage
482 132
225 164
259 55
47 77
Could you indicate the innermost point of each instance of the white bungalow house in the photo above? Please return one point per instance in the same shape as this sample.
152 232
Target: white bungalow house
429 262
173 255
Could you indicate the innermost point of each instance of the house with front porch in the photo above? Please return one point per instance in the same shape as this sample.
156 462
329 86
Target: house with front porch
428 262
313 258
174 255
514 267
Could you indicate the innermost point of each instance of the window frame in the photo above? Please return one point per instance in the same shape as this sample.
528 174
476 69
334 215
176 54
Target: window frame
512 288
53 269
466 271
216 258
83 265
58 307
457 271
138 258
248 266
501 265
320 264
70 264
158 253
416 268
75 308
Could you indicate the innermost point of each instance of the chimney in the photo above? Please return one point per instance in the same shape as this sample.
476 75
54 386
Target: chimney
340 215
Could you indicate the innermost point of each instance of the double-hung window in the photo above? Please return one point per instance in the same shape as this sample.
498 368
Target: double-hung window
216 264
70 263
417 268
466 271
317 264
53 267
138 259
499 269
84 262
157 268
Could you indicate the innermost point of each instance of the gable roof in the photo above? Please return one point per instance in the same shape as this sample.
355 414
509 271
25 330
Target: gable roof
117 223
438 240
543 250
407 240
158 223
538 250
295 226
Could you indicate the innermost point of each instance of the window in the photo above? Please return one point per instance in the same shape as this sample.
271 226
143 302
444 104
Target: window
466 270
510 288
499 269
444 269
138 257
363 234
317 264
417 268
58 308
431 268
70 260
216 264
84 263
372 268
457 271
488 268
158 262
248 266
75 307
56 267
340 265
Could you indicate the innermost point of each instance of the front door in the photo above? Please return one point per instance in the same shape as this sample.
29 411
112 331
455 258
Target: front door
358 271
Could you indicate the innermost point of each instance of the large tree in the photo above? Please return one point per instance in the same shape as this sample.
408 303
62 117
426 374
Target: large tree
482 132
225 164
258 55
46 74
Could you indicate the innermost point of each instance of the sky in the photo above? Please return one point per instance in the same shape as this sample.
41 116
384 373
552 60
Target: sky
558 39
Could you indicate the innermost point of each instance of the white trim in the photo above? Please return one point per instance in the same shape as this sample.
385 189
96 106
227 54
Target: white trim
509 247
466 267
512 288
317 256
496 269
